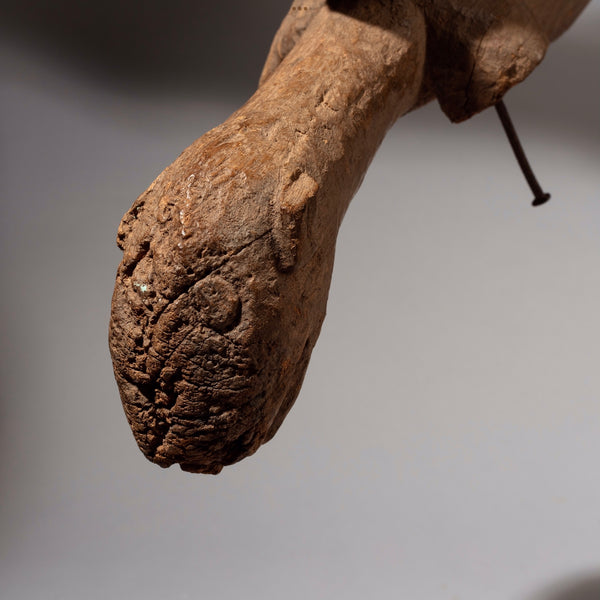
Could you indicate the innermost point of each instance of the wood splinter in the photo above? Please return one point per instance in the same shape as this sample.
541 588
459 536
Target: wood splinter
227 257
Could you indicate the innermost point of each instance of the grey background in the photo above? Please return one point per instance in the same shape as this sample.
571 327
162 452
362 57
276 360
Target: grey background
445 443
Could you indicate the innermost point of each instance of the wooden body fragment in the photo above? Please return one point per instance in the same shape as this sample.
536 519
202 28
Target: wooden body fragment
227 257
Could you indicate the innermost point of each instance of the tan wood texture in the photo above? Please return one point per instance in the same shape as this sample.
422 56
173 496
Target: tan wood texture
227 257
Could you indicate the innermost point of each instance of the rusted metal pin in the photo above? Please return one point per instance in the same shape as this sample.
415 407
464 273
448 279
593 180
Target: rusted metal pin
540 197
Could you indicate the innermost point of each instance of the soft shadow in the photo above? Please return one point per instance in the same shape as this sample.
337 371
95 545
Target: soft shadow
183 45
576 588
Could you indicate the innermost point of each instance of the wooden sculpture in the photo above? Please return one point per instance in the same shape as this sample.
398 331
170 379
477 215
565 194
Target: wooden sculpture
227 257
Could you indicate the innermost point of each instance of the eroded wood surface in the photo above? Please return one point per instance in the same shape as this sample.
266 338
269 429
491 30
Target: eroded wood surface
227 257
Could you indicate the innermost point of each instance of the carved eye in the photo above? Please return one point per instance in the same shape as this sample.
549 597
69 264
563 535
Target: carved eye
217 301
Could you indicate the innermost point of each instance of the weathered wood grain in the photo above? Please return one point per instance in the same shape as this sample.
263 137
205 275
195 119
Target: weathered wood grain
227 257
